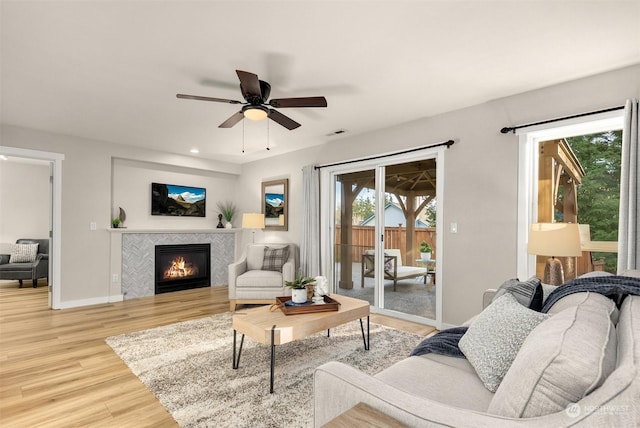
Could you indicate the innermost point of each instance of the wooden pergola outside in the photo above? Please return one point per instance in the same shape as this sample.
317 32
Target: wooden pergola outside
414 186
559 174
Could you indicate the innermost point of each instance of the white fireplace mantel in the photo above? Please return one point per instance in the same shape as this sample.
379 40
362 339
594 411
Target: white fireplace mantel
127 230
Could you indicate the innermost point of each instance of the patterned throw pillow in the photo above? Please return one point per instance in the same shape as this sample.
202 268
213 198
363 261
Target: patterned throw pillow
24 253
494 338
274 258
529 293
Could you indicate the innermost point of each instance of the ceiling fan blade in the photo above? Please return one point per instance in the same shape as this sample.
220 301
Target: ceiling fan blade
249 84
283 120
197 97
237 117
299 102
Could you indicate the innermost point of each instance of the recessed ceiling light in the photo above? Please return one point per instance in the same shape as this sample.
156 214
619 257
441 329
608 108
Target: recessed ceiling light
194 151
3 157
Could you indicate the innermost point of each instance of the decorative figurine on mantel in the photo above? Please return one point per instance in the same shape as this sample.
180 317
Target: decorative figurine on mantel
220 225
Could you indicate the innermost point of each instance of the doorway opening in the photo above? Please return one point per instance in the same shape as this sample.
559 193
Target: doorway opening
53 212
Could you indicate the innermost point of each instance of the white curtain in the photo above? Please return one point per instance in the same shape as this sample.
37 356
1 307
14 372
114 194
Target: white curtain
310 241
629 229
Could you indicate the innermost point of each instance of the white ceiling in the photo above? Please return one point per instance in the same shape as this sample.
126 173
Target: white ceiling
110 70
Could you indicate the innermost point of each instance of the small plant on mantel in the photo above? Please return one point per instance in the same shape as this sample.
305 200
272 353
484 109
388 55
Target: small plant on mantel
115 223
227 209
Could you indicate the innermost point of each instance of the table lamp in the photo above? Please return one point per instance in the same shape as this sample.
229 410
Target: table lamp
253 221
554 239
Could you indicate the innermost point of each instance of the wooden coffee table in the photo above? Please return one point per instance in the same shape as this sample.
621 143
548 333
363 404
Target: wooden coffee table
270 326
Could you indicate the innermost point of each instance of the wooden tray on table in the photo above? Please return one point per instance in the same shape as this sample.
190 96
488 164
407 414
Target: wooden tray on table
306 308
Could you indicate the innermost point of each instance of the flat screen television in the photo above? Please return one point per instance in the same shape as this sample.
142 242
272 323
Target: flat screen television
182 201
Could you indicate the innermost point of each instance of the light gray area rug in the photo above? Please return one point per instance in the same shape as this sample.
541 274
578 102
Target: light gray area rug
188 367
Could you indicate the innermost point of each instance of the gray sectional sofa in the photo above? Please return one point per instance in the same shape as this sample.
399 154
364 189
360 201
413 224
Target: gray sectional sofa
577 365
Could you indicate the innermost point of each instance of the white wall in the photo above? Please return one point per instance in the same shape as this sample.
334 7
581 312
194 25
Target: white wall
481 176
24 201
480 184
86 198
132 191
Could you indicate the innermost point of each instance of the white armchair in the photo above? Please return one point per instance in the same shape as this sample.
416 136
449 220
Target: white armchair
259 275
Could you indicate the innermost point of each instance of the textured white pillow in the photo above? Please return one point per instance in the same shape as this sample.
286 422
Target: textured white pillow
23 253
563 359
495 336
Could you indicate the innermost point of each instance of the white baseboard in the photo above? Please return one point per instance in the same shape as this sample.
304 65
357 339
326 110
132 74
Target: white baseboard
116 298
88 302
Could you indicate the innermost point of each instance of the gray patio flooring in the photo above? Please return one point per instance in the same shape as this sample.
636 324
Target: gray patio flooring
412 296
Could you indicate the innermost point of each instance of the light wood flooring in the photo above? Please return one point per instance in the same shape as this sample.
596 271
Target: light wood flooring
57 371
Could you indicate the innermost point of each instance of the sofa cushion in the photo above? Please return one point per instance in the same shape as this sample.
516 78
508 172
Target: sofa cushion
563 359
528 293
495 336
594 298
438 378
633 273
260 279
255 257
274 258
23 253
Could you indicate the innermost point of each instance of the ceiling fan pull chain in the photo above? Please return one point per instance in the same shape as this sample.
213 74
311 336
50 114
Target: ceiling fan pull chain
243 136
268 135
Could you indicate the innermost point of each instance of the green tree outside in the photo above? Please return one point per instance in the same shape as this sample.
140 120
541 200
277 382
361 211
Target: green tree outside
599 193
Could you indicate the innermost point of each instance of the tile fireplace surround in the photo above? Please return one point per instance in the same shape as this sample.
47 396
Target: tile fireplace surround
137 253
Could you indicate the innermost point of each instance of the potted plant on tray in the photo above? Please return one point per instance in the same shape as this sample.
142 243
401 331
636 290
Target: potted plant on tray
299 288
425 251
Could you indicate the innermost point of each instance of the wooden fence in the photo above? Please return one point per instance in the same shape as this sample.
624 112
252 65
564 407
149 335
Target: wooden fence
362 238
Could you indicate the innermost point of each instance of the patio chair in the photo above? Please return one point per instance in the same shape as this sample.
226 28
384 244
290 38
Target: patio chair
393 267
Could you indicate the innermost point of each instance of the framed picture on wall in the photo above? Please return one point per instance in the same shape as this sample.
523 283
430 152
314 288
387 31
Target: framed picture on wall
275 204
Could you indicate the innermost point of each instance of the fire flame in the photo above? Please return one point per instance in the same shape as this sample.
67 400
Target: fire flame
180 268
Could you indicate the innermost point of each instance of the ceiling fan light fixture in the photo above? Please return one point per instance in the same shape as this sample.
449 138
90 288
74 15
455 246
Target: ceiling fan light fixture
255 112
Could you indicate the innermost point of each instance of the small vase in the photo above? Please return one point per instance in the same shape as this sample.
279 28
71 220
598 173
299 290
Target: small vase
425 256
228 225
299 295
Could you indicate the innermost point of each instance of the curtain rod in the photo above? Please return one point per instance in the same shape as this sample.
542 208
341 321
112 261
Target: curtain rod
513 128
447 143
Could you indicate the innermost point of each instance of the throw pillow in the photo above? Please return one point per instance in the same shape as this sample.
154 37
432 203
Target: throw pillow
563 359
24 253
529 293
274 258
493 339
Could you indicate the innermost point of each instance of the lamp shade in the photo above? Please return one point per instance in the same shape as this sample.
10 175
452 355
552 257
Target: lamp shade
554 239
252 221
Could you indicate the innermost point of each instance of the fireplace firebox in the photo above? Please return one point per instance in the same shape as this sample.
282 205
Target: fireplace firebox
182 267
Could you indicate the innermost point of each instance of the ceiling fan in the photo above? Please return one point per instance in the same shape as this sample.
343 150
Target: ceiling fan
256 92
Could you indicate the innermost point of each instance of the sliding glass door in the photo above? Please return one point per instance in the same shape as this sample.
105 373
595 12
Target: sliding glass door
379 216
